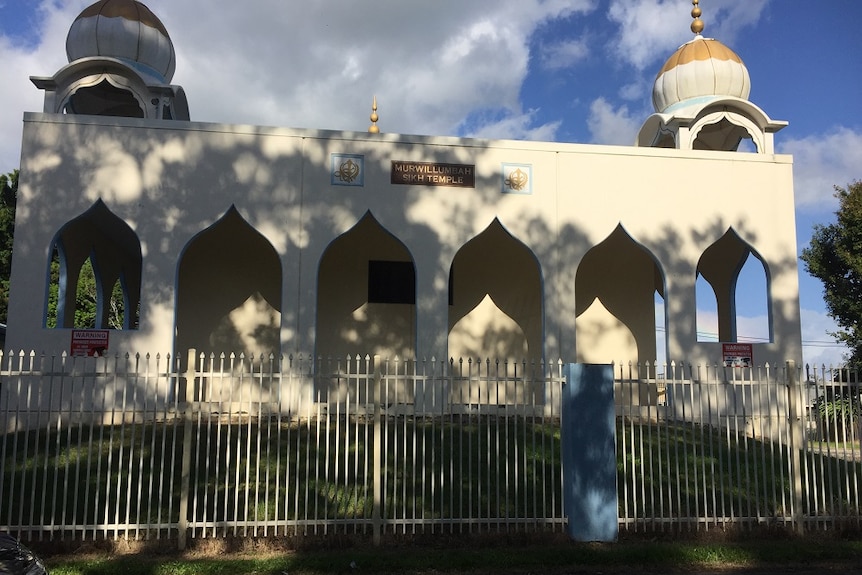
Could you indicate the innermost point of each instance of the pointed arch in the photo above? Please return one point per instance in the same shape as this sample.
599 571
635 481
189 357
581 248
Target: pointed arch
96 85
720 123
229 286
110 250
105 96
106 86
725 131
496 269
618 281
366 294
734 273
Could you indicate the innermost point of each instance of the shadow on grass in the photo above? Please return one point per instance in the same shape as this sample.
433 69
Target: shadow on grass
455 474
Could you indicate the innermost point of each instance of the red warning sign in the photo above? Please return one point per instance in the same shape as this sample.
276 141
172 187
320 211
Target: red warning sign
737 354
89 342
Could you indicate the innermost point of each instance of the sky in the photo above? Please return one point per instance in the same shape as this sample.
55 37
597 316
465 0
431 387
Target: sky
553 70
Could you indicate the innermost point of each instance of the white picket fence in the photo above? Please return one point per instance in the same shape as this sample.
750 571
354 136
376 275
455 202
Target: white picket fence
147 447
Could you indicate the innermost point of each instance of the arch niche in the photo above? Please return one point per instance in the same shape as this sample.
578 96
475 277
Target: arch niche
229 291
366 295
495 299
107 96
732 280
617 287
101 246
727 132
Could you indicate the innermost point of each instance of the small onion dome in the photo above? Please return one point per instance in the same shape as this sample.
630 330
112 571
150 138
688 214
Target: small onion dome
126 30
701 67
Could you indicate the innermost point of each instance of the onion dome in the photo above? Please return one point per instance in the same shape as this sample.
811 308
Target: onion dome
126 30
702 67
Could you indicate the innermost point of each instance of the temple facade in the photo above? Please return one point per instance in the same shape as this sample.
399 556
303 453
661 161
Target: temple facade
232 238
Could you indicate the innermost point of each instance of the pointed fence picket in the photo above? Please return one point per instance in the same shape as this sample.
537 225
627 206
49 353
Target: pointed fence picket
143 447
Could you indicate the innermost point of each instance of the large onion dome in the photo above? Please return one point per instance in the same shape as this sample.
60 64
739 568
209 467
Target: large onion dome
701 101
126 30
700 67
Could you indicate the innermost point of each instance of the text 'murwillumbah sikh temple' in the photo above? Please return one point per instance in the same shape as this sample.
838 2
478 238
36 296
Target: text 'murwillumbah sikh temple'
234 238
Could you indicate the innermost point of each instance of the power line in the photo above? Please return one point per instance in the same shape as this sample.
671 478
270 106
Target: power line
711 337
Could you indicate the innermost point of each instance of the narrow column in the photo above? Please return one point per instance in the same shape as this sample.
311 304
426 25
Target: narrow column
589 453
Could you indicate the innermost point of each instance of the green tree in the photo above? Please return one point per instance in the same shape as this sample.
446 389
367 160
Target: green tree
53 291
8 198
86 301
834 256
86 298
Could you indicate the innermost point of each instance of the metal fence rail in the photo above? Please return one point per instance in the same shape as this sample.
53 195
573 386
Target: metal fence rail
716 446
150 447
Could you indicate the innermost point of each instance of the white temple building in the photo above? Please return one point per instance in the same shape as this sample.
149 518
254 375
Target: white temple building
233 238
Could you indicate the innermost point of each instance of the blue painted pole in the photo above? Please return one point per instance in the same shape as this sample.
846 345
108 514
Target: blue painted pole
589 453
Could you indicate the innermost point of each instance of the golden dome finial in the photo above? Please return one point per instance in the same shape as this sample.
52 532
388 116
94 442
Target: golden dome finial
697 25
373 129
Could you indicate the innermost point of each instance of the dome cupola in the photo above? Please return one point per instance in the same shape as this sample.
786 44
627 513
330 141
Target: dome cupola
126 30
121 63
702 67
701 102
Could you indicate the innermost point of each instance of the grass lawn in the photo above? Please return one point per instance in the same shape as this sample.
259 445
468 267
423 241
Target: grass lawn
445 468
557 555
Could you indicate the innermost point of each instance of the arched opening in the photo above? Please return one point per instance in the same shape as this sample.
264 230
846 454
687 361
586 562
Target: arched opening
661 335
725 136
366 295
229 291
104 99
619 290
495 299
732 293
94 273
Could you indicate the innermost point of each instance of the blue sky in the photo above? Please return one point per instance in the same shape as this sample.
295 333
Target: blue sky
560 70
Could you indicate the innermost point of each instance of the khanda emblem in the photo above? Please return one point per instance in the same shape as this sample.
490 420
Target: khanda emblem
517 180
348 171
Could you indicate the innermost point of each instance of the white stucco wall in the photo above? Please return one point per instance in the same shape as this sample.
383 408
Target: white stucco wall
171 180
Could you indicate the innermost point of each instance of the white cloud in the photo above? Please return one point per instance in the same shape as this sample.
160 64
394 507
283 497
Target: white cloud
637 90
651 30
19 63
821 348
517 127
564 54
707 325
318 64
821 162
609 125
428 69
725 19
752 329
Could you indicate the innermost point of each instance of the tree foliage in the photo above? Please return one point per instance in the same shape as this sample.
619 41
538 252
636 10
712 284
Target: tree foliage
834 256
86 299
8 199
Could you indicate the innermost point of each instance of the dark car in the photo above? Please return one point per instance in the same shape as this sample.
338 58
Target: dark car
15 559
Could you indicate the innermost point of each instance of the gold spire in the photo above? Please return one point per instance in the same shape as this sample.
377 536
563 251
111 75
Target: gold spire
373 129
697 25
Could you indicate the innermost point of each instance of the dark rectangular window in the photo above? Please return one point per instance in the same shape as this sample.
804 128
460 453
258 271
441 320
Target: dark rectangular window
391 282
